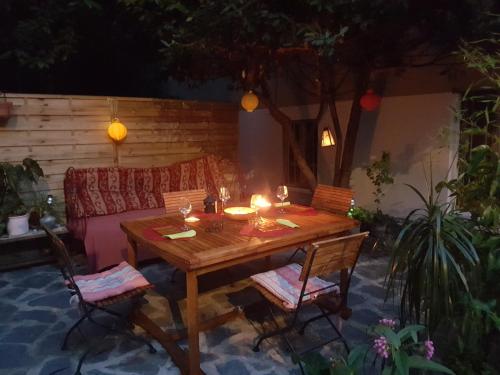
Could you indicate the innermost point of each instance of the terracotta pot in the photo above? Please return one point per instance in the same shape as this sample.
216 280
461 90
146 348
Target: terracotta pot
18 225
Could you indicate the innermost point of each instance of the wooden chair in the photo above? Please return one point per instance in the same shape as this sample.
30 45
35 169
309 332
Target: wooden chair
96 292
333 199
171 199
291 287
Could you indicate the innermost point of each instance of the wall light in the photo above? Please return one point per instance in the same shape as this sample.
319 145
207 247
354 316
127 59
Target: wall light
327 138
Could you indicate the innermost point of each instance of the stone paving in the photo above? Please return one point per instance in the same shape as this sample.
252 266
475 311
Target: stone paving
35 314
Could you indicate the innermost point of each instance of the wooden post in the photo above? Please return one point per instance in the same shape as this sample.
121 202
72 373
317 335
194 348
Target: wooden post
192 322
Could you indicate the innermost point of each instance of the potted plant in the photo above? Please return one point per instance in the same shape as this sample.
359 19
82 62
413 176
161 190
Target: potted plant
16 185
379 173
403 350
430 259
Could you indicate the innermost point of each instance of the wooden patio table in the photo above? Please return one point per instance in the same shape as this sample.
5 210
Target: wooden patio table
208 252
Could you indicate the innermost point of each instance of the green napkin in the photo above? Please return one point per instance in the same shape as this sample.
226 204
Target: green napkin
284 204
186 234
287 223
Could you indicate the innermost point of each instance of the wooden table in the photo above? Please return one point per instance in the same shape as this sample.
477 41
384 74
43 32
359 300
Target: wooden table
209 252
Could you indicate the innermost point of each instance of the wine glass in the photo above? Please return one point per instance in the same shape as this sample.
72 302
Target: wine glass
224 196
282 194
185 208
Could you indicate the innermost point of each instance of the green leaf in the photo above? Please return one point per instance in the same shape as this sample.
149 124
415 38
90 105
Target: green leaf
410 331
421 363
401 361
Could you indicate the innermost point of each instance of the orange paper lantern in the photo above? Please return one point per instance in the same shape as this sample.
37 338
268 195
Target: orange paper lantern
370 101
117 131
249 101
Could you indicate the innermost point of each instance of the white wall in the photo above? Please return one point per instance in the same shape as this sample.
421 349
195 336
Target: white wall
409 127
417 130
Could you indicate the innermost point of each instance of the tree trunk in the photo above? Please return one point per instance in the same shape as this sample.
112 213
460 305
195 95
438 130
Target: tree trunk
361 85
339 139
286 124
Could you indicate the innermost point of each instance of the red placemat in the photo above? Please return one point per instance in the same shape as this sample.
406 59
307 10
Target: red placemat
250 231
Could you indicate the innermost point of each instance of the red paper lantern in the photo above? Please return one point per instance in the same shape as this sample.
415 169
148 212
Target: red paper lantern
370 101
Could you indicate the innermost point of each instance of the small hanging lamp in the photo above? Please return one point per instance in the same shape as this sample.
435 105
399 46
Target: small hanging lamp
327 138
116 130
249 101
370 101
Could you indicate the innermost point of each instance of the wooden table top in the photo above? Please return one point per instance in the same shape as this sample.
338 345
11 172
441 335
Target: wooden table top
208 249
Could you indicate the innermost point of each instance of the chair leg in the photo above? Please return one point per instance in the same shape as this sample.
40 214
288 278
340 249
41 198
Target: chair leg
341 337
277 331
126 332
308 321
64 345
172 278
289 260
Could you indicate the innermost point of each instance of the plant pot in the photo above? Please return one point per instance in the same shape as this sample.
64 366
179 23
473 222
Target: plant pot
5 110
18 225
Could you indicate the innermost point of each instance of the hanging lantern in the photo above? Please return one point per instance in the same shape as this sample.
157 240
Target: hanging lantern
370 101
327 138
249 101
117 131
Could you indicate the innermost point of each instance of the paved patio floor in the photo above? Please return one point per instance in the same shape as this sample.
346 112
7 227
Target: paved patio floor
35 314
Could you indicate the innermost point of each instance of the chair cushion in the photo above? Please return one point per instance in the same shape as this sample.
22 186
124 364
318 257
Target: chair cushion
284 284
113 282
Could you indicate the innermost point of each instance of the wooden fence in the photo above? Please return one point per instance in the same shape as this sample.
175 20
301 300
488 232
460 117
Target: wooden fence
71 131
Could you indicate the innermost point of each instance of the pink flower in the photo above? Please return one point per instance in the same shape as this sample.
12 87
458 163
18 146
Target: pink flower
391 323
429 349
381 346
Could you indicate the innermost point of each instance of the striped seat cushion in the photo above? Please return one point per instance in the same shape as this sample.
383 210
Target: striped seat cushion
111 283
284 284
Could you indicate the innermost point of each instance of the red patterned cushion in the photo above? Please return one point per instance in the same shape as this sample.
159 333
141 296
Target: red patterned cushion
105 191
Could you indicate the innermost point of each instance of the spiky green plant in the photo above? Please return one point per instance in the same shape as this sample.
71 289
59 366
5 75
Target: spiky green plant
430 257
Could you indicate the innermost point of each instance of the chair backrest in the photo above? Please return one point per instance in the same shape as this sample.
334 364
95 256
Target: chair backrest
332 198
64 261
171 199
332 255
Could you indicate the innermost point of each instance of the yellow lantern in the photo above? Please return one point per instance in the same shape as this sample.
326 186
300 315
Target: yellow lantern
117 131
327 138
249 101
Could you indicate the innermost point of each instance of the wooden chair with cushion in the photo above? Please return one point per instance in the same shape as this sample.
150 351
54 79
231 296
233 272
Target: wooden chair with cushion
333 199
96 292
291 287
171 199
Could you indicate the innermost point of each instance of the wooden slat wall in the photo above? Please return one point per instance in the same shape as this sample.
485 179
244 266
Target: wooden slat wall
71 131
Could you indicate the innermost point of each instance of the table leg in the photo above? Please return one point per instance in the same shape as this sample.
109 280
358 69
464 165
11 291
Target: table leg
192 323
132 252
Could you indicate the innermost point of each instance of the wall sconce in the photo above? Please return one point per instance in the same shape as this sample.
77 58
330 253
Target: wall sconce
327 138
116 130
249 101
